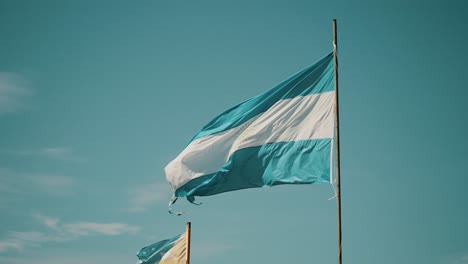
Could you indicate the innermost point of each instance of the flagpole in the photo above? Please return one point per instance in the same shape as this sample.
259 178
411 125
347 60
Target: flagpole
188 241
337 138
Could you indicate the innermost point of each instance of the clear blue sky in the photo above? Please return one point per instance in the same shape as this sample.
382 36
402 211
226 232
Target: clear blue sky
96 97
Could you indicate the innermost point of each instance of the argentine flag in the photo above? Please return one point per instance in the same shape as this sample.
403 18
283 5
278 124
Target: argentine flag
169 251
283 136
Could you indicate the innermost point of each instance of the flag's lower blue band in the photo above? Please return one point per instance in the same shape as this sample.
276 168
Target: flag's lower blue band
296 162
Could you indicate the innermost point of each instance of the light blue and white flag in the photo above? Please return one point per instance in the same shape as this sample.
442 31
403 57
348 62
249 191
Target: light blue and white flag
283 136
169 251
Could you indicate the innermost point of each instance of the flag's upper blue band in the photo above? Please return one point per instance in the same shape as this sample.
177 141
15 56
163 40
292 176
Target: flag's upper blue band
314 79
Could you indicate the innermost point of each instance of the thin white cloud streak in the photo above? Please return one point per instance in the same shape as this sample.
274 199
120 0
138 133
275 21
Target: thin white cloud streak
21 183
13 89
8 245
49 222
460 260
59 153
90 228
455 259
15 186
60 232
19 240
52 184
144 196
86 228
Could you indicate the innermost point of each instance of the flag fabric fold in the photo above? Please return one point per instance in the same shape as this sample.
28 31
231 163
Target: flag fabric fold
168 251
283 136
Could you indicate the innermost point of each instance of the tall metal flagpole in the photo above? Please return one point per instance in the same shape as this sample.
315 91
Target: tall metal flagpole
188 242
337 138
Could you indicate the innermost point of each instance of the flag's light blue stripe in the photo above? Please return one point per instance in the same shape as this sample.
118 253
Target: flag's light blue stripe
154 252
315 79
296 162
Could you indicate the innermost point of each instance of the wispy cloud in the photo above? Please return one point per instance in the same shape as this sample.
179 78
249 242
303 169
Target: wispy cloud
79 229
57 231
16 186
146 195
60 153
52 184
89 228
455 259
49 222
19 240
460 259
13 89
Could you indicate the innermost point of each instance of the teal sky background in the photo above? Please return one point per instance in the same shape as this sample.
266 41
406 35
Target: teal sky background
96 97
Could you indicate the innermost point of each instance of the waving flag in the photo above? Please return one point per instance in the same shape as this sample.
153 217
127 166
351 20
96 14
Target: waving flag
283 136
169 251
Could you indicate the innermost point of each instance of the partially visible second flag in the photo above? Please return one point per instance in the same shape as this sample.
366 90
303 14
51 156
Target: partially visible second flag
169 251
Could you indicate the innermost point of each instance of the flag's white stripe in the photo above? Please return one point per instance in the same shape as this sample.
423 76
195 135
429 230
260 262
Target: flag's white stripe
300 118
